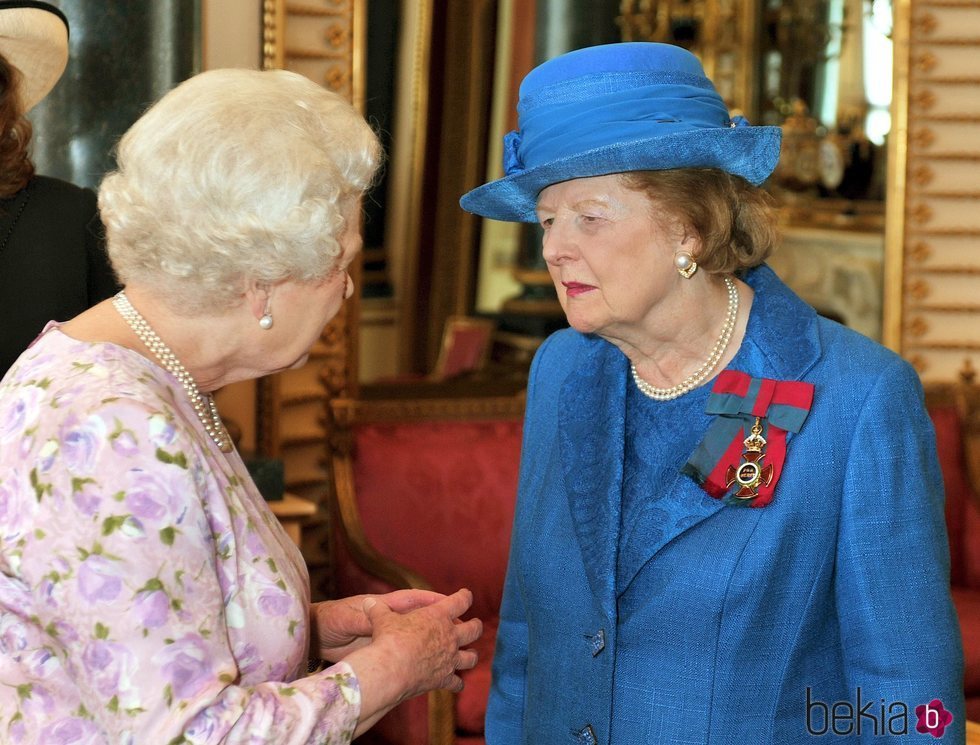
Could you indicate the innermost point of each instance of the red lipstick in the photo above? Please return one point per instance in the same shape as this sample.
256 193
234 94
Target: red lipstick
574 289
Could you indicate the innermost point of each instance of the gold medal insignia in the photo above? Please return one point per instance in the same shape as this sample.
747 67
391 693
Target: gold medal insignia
750 473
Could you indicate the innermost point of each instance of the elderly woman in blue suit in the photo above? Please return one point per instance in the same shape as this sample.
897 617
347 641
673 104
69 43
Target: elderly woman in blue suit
730 521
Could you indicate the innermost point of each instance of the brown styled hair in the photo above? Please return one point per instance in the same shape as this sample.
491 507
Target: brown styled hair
16 167
733 219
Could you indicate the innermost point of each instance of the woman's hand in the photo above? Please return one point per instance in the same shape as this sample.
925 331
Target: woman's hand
412 652
338 627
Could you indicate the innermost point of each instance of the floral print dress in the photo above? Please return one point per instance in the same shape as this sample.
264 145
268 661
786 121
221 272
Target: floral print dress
147 593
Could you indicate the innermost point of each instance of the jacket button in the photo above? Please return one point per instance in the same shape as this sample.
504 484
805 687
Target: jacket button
597 642
586 735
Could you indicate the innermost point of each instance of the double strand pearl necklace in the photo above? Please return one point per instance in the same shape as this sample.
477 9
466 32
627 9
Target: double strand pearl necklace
203 403
695 379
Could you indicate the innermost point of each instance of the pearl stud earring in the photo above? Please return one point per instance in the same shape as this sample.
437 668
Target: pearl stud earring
685 264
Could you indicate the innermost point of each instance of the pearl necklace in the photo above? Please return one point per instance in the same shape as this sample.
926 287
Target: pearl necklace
203 403
697 377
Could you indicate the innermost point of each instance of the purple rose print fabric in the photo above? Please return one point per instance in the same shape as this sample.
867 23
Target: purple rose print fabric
147 593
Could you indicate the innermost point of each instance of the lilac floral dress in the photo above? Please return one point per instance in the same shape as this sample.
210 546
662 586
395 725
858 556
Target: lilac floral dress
147 593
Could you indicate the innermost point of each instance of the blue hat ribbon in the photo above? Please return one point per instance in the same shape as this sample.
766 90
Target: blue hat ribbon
512 154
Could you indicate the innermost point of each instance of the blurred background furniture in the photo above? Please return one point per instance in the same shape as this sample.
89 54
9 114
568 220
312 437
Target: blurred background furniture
424 491
972 733
466 342
292 512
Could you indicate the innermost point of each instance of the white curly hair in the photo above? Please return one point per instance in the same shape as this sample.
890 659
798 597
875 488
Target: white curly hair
235 176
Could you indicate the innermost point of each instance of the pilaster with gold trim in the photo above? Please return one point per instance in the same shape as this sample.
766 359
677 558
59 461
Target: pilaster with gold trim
320 39
931 312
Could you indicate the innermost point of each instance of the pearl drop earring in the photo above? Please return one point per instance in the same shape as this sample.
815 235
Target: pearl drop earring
265 321
685 264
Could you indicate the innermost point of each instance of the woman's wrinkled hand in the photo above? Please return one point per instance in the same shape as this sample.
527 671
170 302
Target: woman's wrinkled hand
431 639
412 652
338 627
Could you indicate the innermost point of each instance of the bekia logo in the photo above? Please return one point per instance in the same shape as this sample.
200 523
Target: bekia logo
933 718
874 717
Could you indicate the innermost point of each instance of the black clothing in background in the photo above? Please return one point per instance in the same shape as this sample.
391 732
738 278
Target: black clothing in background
53 263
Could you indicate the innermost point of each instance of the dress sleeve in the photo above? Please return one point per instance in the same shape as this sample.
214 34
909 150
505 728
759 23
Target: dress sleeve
124 574
899 632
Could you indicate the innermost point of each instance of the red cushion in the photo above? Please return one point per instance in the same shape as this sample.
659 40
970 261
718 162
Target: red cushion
968 610
438 497
471 703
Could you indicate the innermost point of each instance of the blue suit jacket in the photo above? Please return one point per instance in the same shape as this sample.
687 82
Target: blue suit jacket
738 625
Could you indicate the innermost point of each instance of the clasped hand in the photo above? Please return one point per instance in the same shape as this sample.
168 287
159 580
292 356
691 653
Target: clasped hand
412 639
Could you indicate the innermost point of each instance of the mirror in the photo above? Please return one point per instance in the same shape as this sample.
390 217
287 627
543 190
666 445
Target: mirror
397 47
438 103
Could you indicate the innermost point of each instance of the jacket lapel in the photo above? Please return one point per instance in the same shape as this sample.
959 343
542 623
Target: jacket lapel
591 420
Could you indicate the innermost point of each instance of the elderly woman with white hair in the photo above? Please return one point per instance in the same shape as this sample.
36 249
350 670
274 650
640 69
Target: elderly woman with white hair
147 593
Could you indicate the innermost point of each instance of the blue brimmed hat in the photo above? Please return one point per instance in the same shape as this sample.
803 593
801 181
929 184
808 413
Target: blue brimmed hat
634 106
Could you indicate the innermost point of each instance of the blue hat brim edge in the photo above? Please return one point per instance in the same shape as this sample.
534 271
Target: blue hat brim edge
749 152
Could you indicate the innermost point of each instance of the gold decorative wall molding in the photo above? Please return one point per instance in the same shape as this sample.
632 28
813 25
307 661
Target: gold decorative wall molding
273 27
957 270
955 79
953 156
932 260
334 9
918 289
963 118
926 62
923 137
964 346
950 195
917 327
313 39
321 41
952 309
963 42
969 232
920 252
925 24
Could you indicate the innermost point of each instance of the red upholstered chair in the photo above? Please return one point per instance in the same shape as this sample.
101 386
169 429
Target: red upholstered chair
424 497
955 412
